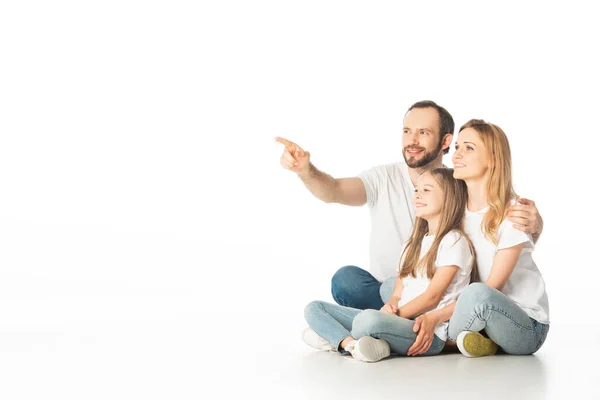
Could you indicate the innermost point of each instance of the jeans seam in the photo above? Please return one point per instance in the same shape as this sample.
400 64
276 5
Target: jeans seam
336 345
542 339
492 308
391 334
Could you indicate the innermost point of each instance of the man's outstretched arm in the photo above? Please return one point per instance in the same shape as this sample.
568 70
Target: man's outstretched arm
347 191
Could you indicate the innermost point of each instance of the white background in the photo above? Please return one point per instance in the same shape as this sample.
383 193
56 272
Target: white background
145 223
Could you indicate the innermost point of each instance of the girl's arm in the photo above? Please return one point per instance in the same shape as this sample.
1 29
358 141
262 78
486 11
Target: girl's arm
397 293
391 305
431 297
505 261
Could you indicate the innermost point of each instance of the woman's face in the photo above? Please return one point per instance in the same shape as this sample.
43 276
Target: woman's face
428 198
471 159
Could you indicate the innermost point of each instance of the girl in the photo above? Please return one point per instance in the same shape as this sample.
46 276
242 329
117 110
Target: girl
436 264
510 305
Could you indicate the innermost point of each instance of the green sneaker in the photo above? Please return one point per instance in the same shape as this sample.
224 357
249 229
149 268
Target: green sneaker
474 344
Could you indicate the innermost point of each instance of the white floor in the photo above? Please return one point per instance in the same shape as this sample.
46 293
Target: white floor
227 355
103 315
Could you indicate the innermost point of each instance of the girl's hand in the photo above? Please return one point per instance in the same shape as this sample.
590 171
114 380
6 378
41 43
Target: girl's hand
387 308
424 327
391 306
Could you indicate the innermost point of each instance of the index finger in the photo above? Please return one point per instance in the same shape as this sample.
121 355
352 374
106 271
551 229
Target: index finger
290 145
416 344
424 347
413 349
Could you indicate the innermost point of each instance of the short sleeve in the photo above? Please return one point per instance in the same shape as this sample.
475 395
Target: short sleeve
373 179
508 237
454 250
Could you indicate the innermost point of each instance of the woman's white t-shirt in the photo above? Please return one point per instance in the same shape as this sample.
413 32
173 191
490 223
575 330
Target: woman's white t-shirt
453 250
525 285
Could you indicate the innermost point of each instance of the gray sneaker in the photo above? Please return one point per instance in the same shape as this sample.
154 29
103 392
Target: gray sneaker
368 349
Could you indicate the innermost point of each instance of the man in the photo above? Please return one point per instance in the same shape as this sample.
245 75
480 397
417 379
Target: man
388 190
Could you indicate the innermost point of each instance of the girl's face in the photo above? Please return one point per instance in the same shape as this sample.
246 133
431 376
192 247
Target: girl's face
471 159
428 198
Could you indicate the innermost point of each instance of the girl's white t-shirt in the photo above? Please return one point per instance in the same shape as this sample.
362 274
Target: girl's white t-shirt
453 250
525 285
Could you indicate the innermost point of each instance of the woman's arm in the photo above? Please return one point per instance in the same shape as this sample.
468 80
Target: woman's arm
504 264
439 283
443 314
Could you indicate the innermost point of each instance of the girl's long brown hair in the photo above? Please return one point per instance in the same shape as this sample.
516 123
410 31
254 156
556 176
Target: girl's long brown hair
451 219
499 187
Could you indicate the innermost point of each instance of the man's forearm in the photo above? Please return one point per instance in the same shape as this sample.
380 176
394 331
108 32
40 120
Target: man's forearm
320 184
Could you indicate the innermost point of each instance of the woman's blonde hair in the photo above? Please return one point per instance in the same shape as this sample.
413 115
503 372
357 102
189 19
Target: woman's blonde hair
499 187
451 219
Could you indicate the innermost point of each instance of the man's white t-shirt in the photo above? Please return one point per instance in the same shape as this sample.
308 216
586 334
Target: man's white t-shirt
525 285
389 196
454 250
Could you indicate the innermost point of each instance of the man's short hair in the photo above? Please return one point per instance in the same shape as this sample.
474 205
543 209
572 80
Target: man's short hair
446 122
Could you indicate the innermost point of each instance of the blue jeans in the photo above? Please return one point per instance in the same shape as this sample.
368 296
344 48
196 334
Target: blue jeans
334 323
481 307
356 288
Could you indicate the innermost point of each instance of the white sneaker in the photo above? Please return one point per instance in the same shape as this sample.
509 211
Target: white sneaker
368 349
313 339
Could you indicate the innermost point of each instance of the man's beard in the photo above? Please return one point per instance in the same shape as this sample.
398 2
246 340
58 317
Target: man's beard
427 158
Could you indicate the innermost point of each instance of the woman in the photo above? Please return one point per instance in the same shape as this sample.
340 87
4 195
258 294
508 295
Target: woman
509 304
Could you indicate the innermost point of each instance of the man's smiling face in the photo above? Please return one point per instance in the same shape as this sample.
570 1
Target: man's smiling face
421 137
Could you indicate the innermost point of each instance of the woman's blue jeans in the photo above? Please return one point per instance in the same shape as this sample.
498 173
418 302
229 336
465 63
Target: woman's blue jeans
482 308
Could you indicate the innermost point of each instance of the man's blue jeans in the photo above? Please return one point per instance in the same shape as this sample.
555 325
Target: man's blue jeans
356 288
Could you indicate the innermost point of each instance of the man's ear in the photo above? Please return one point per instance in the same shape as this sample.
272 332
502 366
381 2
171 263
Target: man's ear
447 141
